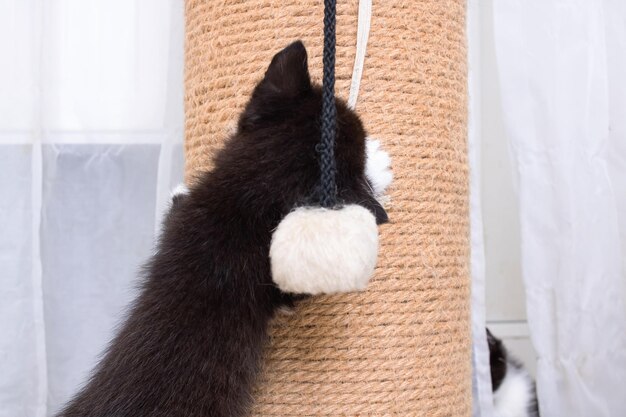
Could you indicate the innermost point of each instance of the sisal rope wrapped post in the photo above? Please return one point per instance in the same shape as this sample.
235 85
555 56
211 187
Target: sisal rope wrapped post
402 348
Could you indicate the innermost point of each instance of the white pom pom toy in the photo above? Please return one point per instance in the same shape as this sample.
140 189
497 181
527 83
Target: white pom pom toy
316 250
330 248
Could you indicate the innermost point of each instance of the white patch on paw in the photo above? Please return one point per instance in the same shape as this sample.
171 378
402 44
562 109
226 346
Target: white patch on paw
181 189
378 167
231 128
286 311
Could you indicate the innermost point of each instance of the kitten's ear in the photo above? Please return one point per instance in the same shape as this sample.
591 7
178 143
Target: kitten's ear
288 73
493 341
286 78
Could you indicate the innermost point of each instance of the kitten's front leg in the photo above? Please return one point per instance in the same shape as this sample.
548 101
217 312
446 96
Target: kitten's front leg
178 194
378 167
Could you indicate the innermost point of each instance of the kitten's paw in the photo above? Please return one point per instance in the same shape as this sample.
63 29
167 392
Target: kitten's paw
179 192
181 189
378 167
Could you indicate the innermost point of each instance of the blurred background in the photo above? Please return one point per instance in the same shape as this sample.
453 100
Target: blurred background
91 131
91 128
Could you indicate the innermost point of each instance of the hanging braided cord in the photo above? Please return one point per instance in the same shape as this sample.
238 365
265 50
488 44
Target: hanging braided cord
326 147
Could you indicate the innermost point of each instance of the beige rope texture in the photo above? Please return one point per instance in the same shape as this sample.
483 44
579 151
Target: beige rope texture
402 348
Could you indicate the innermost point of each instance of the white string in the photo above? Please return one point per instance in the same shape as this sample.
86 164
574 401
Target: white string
363 31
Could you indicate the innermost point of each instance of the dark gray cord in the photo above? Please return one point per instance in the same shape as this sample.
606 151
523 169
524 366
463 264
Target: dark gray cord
326 147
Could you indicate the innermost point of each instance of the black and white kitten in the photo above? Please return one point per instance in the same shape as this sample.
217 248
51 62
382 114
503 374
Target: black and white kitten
193 339
514 393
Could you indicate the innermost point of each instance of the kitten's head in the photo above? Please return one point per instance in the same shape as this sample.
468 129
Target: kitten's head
278 132
497 360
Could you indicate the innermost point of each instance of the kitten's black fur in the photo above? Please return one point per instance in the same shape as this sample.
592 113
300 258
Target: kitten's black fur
193 339
497 360
502 364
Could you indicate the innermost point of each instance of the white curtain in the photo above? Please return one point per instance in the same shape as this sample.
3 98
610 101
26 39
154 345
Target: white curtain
562 73
91 122
481 376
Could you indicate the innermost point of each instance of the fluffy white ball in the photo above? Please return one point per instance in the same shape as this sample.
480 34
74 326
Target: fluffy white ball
324 251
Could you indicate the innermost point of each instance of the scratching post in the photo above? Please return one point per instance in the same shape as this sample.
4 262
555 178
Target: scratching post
402 348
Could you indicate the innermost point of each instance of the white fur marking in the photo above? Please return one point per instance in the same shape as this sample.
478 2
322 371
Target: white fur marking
181 189
378 167
323 251
512 397
231 128
285 311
